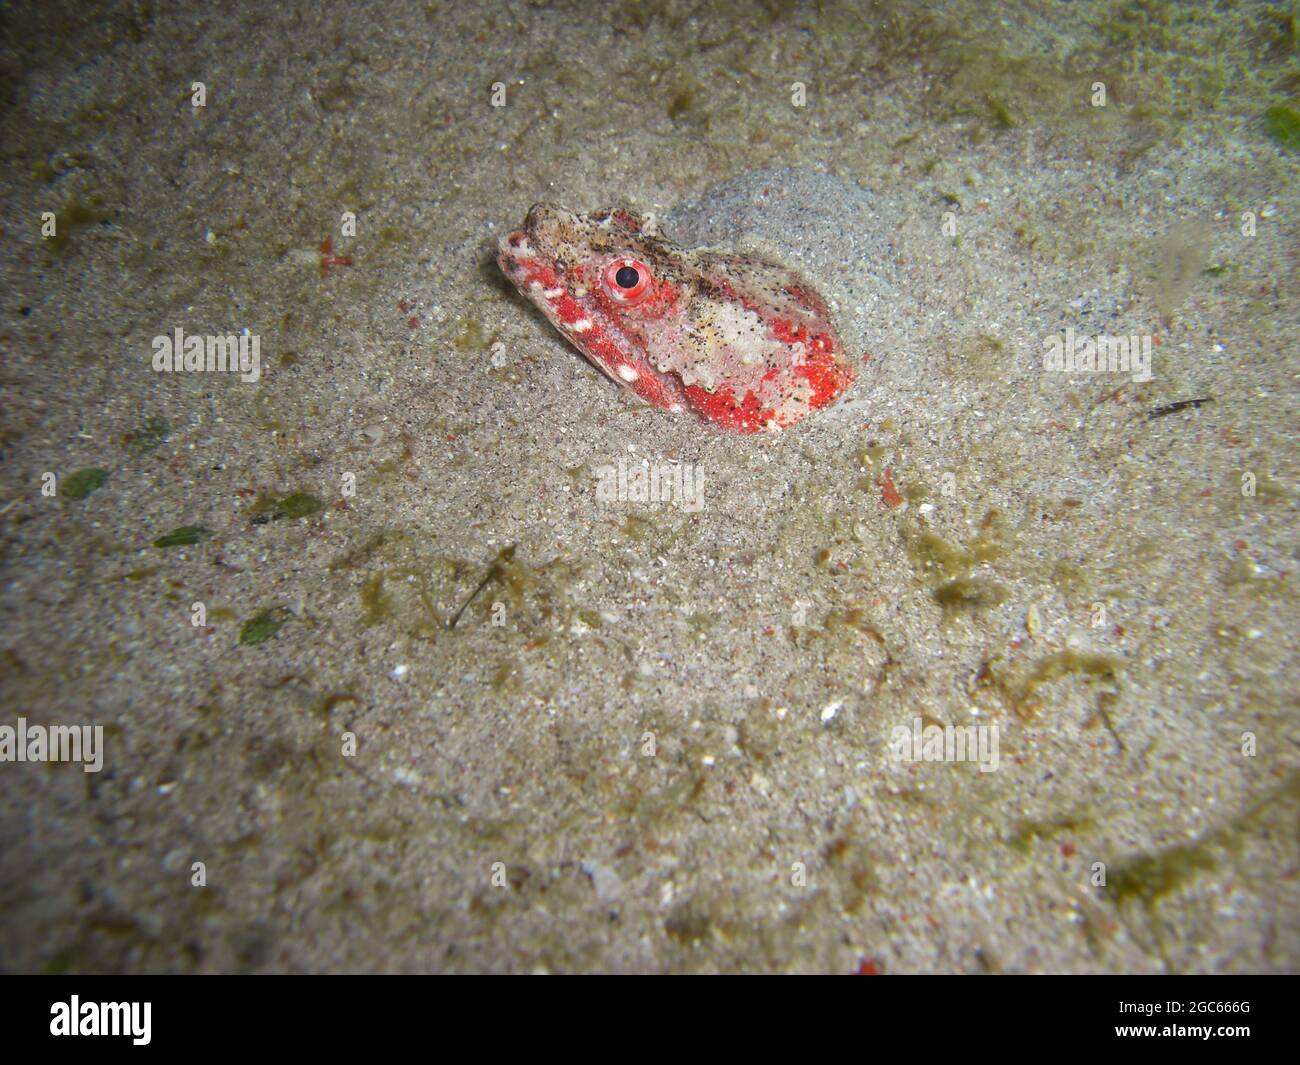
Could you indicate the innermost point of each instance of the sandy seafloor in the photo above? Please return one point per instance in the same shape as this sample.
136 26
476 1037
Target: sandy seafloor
672 750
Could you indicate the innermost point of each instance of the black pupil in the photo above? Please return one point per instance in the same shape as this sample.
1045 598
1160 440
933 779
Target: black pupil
627 277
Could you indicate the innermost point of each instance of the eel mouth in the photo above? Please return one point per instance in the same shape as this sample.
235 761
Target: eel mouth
549 235
513 250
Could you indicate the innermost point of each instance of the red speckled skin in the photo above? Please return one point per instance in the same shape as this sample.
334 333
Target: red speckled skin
744 342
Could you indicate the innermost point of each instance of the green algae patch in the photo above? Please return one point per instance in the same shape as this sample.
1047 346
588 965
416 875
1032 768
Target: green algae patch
1282 124
1245 575
507 375
507 678
80 484
62 961
1150 877
375 605
147 437
1243 571
405 587
185 536
299 505
981 356
872 455
851 620
327 703
970 593
77 215
514 576
1071 579
683 103
293 505
1064 663
1017 689
936 559
1028 831
263 506
1000 113
472 337
387 472
636 528
404 593
701 622
261 627
942 564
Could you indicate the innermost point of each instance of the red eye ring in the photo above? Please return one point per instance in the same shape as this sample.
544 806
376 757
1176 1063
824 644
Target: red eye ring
627 280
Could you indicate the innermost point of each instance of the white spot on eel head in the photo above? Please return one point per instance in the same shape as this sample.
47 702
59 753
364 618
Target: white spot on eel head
581 325
553 293
628 374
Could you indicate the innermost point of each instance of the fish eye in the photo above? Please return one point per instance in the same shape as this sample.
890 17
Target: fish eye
627 280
